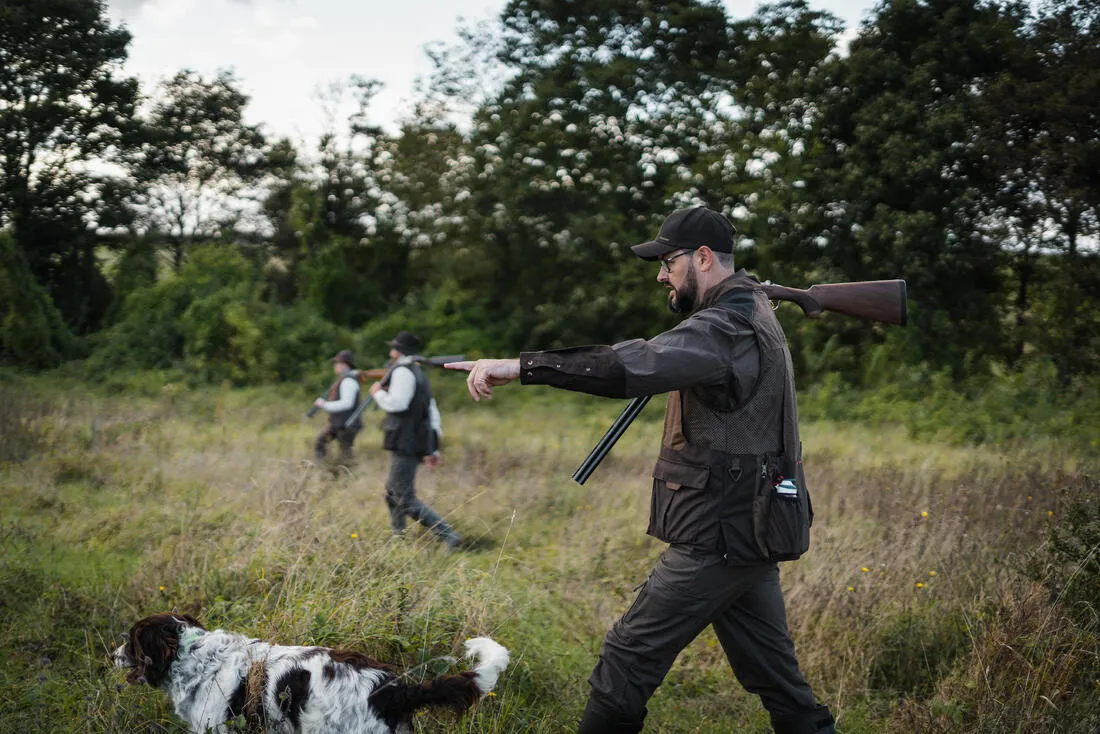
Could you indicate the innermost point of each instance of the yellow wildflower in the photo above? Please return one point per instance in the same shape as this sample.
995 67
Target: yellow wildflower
931 573
920 585
851 588
355 536
924 513
865 569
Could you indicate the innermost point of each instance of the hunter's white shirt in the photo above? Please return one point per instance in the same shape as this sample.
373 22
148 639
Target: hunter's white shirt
400 393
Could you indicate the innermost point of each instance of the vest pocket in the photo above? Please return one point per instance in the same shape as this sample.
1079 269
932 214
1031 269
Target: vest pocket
780 514
680 501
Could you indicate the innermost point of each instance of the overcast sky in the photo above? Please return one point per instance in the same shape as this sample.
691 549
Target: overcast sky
284 50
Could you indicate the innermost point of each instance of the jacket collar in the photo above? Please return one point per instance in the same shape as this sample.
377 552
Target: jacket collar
740 280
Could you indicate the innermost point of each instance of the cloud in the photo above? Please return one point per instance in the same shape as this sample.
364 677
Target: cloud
133 7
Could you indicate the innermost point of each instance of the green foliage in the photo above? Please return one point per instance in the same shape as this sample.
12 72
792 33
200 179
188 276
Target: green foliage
1069 563
917 648
301 340
952 146
64 115
136 268
213 322
32 332
99 530
993 405
148 333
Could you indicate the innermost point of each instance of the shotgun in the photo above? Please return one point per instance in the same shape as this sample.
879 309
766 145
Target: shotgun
377 373
877 300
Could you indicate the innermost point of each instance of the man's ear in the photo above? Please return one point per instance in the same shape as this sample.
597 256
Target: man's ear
706 258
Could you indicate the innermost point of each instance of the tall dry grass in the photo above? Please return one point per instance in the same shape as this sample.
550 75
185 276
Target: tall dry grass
914 610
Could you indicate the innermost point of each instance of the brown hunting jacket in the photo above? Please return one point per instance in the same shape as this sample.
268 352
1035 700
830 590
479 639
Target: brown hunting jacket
731 422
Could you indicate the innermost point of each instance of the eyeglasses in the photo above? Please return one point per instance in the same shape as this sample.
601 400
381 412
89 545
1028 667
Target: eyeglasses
666 262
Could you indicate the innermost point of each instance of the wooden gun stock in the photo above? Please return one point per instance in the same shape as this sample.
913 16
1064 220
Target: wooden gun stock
878 300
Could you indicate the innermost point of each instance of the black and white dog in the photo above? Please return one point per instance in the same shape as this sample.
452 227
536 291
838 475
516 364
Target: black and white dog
221 679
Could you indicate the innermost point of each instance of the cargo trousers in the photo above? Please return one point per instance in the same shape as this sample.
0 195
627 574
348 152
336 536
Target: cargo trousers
685 592
402 501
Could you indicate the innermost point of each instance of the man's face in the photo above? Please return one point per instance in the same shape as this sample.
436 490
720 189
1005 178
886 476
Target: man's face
677 273
339 368
394 354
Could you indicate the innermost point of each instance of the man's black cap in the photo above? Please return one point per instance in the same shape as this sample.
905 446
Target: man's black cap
405 342
689 229
345 356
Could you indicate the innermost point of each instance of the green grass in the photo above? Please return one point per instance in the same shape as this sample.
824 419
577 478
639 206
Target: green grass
119 503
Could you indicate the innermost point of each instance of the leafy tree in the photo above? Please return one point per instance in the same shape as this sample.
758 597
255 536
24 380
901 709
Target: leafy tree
349 271
63 104
895 192
199 166
32 332
1041 144
573 160
210 318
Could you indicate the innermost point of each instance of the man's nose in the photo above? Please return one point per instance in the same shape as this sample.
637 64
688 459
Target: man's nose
662 276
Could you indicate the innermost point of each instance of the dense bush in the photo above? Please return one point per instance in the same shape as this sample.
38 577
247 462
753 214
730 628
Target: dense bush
32 332
992 405
1069 563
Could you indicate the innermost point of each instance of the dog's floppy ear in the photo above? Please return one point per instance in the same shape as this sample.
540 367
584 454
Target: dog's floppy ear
154 641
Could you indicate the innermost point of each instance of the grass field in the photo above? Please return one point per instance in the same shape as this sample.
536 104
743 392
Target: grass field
947 589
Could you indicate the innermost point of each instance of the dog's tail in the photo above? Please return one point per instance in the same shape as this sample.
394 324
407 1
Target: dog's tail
492 659
396 701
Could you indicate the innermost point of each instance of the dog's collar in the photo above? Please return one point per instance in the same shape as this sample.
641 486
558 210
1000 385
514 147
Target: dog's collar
188 638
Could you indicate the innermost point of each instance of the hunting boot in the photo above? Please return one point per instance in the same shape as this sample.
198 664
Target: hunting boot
599 720
818 721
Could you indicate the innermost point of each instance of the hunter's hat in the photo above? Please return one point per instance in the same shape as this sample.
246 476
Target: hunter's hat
689 229
405 342
345 356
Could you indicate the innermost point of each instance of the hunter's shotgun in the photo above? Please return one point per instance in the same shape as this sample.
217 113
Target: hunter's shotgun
877 300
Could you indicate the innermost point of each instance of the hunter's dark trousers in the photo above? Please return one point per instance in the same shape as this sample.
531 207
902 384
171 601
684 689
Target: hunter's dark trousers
344 436
402 500
685 592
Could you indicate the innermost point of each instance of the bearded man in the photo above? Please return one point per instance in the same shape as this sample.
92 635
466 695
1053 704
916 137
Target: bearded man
728 494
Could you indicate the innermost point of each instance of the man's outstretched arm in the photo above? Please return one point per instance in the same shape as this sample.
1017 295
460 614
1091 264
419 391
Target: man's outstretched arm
692 353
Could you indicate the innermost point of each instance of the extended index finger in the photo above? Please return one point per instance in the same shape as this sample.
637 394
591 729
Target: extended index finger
464 366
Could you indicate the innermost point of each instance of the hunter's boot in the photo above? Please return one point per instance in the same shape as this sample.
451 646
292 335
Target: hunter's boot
818 721
599 720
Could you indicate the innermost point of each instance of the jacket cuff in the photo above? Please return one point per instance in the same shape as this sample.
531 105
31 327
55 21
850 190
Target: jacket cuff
595 370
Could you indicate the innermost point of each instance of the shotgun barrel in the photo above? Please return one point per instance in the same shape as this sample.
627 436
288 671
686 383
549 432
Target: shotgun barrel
614 433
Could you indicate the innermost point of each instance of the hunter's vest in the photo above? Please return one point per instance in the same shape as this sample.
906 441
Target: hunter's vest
410 431
338 419
729 478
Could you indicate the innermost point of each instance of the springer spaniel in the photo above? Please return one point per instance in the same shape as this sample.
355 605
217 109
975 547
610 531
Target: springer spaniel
218 680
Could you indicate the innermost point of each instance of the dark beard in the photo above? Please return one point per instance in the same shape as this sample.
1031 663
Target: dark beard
683 300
